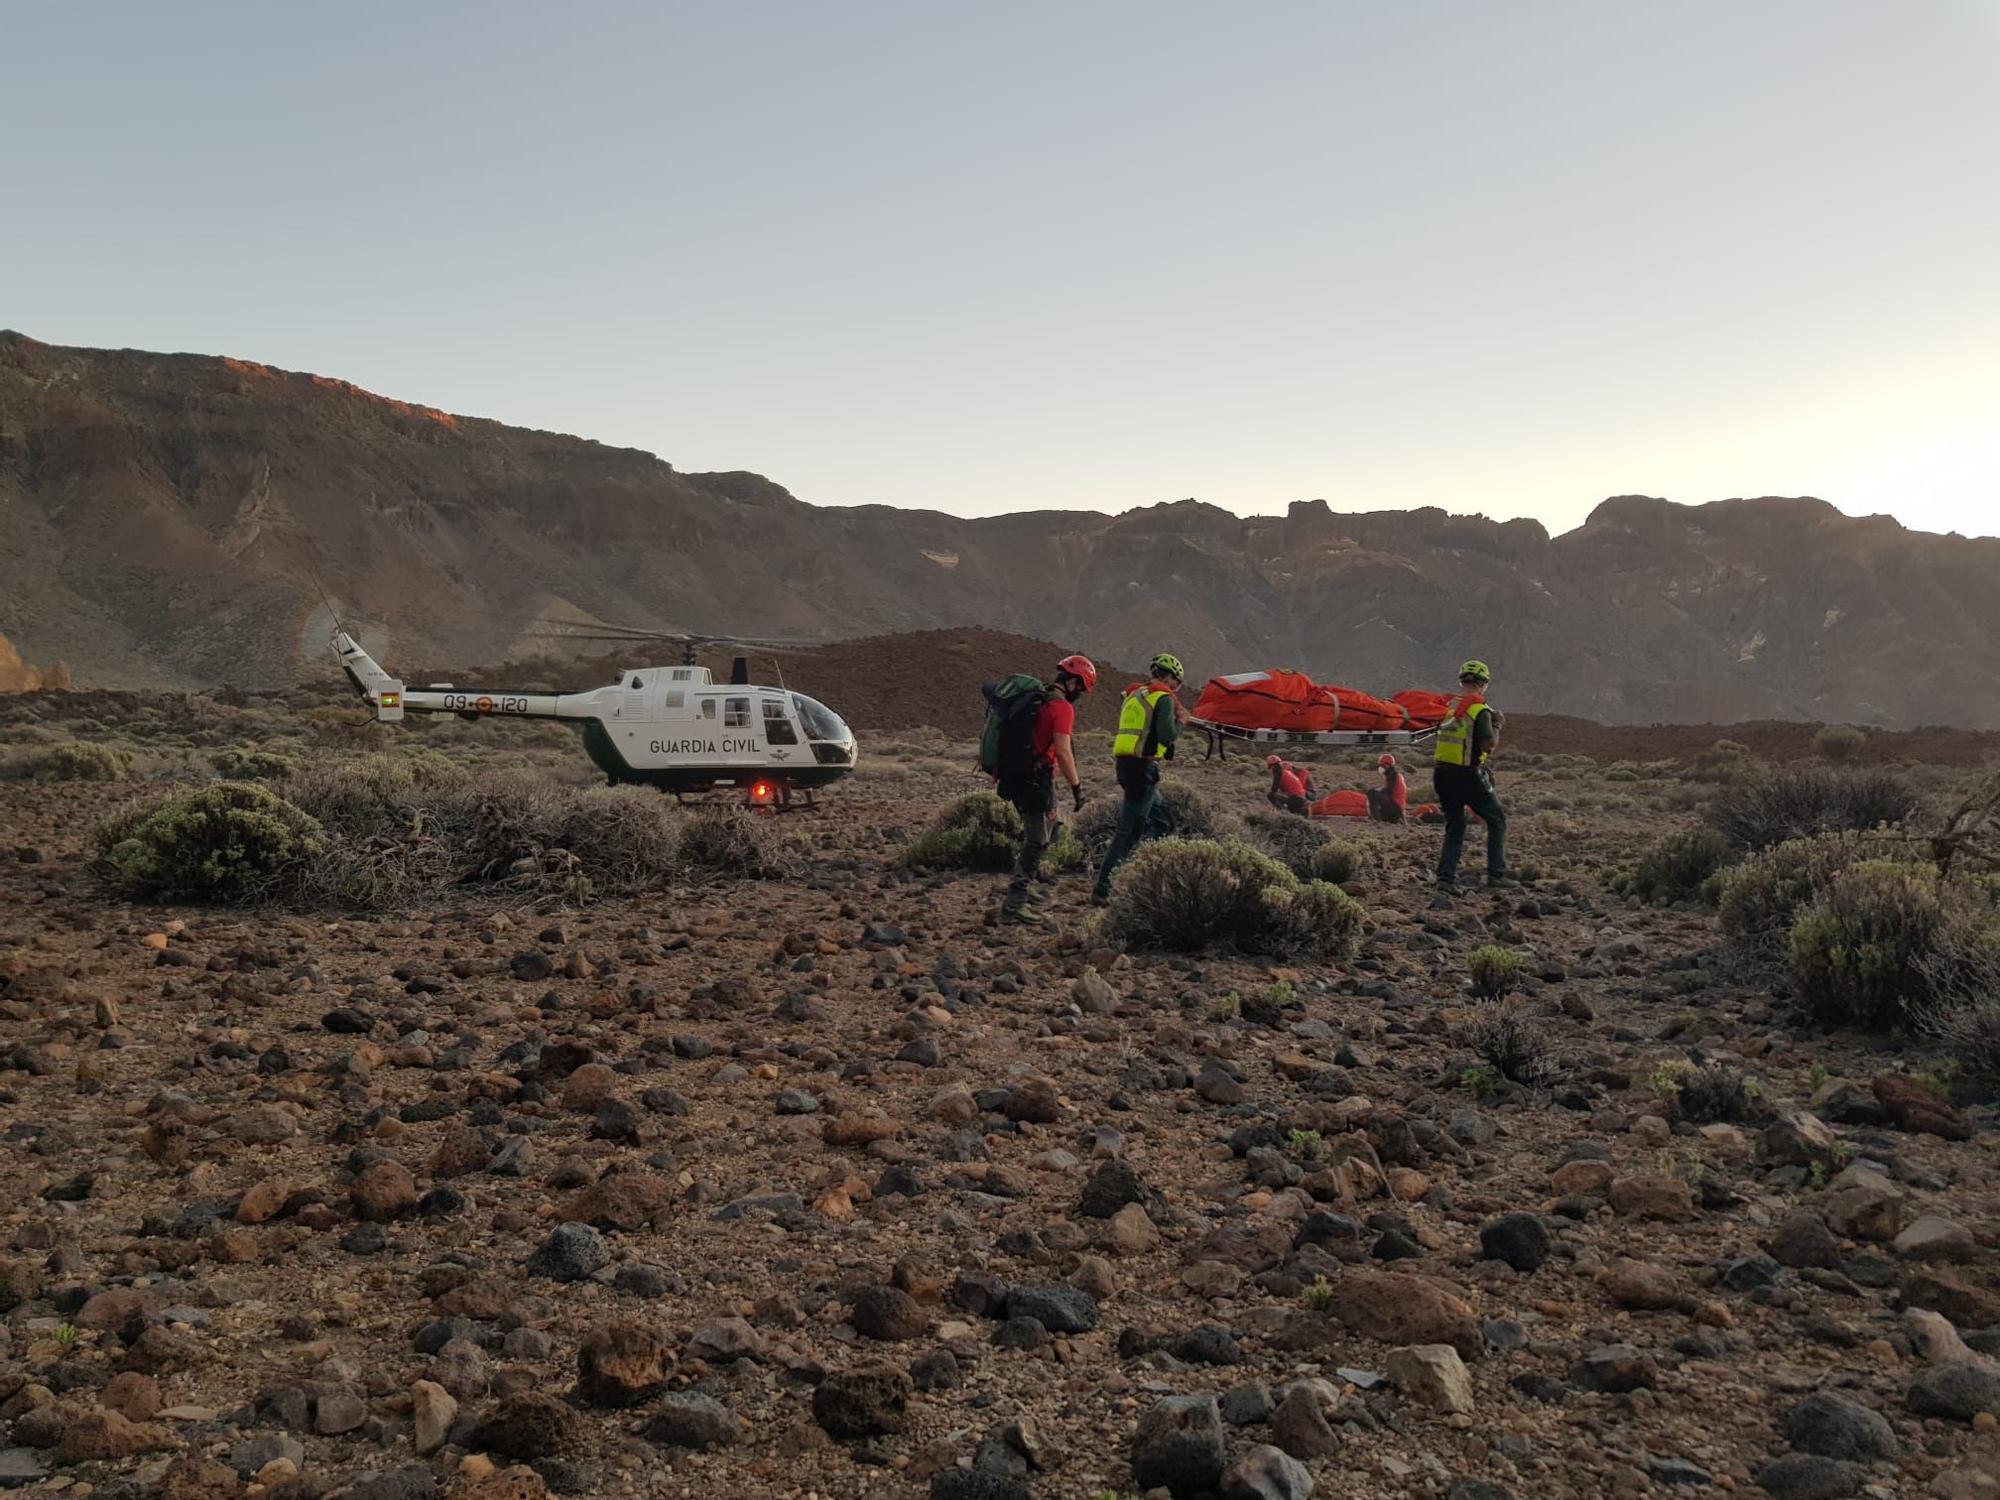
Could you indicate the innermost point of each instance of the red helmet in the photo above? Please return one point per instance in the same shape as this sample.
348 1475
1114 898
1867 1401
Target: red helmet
1082 668
1385 760
1270 760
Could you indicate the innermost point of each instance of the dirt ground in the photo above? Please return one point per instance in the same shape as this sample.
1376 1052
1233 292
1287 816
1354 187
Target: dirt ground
283 1193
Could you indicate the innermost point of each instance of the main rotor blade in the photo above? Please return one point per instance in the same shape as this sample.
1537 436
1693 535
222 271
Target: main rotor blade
673 637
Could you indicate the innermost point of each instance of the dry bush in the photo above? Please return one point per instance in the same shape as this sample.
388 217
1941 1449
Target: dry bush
733 843
1725 760
1189 814
1858 950
1961 1013
1291 841
1839 743
408 826
1186 895
1713 1093
1759 899
76 761
1804 801
253 765
1516 1045
1676 867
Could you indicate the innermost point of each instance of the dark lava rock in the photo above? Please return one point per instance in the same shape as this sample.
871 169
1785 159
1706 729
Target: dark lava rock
1060 1309
888 1313
1959 1392
687 1419
1834 1427
1179 1446
865 1402
1807 1476
1521 1240
570 1253
1110 1188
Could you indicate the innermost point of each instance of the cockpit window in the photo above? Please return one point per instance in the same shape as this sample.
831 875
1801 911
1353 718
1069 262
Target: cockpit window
821 722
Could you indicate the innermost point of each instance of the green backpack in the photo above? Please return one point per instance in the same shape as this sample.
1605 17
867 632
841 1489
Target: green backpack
1007 743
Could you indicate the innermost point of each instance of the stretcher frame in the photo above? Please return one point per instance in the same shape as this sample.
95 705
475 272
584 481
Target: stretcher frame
1333 738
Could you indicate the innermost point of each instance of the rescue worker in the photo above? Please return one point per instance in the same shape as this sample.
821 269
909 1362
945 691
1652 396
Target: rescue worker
1290 789
1388 802
1464 741
1034 797
1148 724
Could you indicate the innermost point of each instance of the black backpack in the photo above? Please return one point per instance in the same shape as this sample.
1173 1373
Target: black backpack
1007 744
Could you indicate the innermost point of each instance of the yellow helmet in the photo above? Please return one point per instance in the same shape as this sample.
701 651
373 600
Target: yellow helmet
1167 662
1476 670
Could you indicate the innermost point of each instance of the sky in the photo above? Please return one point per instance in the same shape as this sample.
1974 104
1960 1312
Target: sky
1507 256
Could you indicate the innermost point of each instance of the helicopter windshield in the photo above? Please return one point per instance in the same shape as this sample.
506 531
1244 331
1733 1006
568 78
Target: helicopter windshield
821 722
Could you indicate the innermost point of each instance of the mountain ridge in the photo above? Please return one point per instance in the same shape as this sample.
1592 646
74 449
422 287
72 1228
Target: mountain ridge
170 520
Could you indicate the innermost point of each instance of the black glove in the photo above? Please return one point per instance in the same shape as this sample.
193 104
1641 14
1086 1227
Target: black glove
1076 796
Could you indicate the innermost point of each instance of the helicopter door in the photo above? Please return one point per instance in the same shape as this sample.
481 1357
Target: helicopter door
777 726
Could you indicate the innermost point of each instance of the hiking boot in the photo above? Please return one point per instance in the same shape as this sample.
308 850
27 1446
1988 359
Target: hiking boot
1448 885
1502 883
1025 916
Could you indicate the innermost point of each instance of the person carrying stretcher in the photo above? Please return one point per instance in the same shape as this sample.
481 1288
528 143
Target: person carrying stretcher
1291 786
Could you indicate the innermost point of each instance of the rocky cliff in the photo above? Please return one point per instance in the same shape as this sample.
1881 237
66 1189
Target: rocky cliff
182 519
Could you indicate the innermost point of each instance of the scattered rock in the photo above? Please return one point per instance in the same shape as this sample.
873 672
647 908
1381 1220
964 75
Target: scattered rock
1395 1309
1521 1240
1266 1473
1835 1427
570 1253
864 1402
620 1364
688 1419
1431 1374
1179 1446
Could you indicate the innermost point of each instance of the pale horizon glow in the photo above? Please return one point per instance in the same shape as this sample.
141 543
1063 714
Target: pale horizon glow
1504 256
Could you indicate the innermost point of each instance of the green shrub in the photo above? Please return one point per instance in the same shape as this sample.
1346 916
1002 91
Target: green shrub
1675 867
1725 760
1185 895
1858 947
79 760
1709 1094
1495 971
1320 921
1335 862
253 765
981 831
1839 742
1188 811
1804 801
1291 841
1758 900
229 842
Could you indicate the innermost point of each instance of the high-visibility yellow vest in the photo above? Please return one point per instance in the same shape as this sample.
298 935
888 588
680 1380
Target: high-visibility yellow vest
1133 718
1453 746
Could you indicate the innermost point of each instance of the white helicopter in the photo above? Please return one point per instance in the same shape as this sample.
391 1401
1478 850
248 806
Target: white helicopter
674 728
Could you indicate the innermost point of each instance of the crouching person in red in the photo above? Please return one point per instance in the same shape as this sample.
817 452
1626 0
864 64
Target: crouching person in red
1389 802
1291 786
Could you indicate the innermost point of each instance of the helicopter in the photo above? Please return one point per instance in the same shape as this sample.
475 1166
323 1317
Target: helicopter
671 727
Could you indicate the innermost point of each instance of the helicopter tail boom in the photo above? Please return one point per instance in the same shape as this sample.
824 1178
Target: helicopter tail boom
391 699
